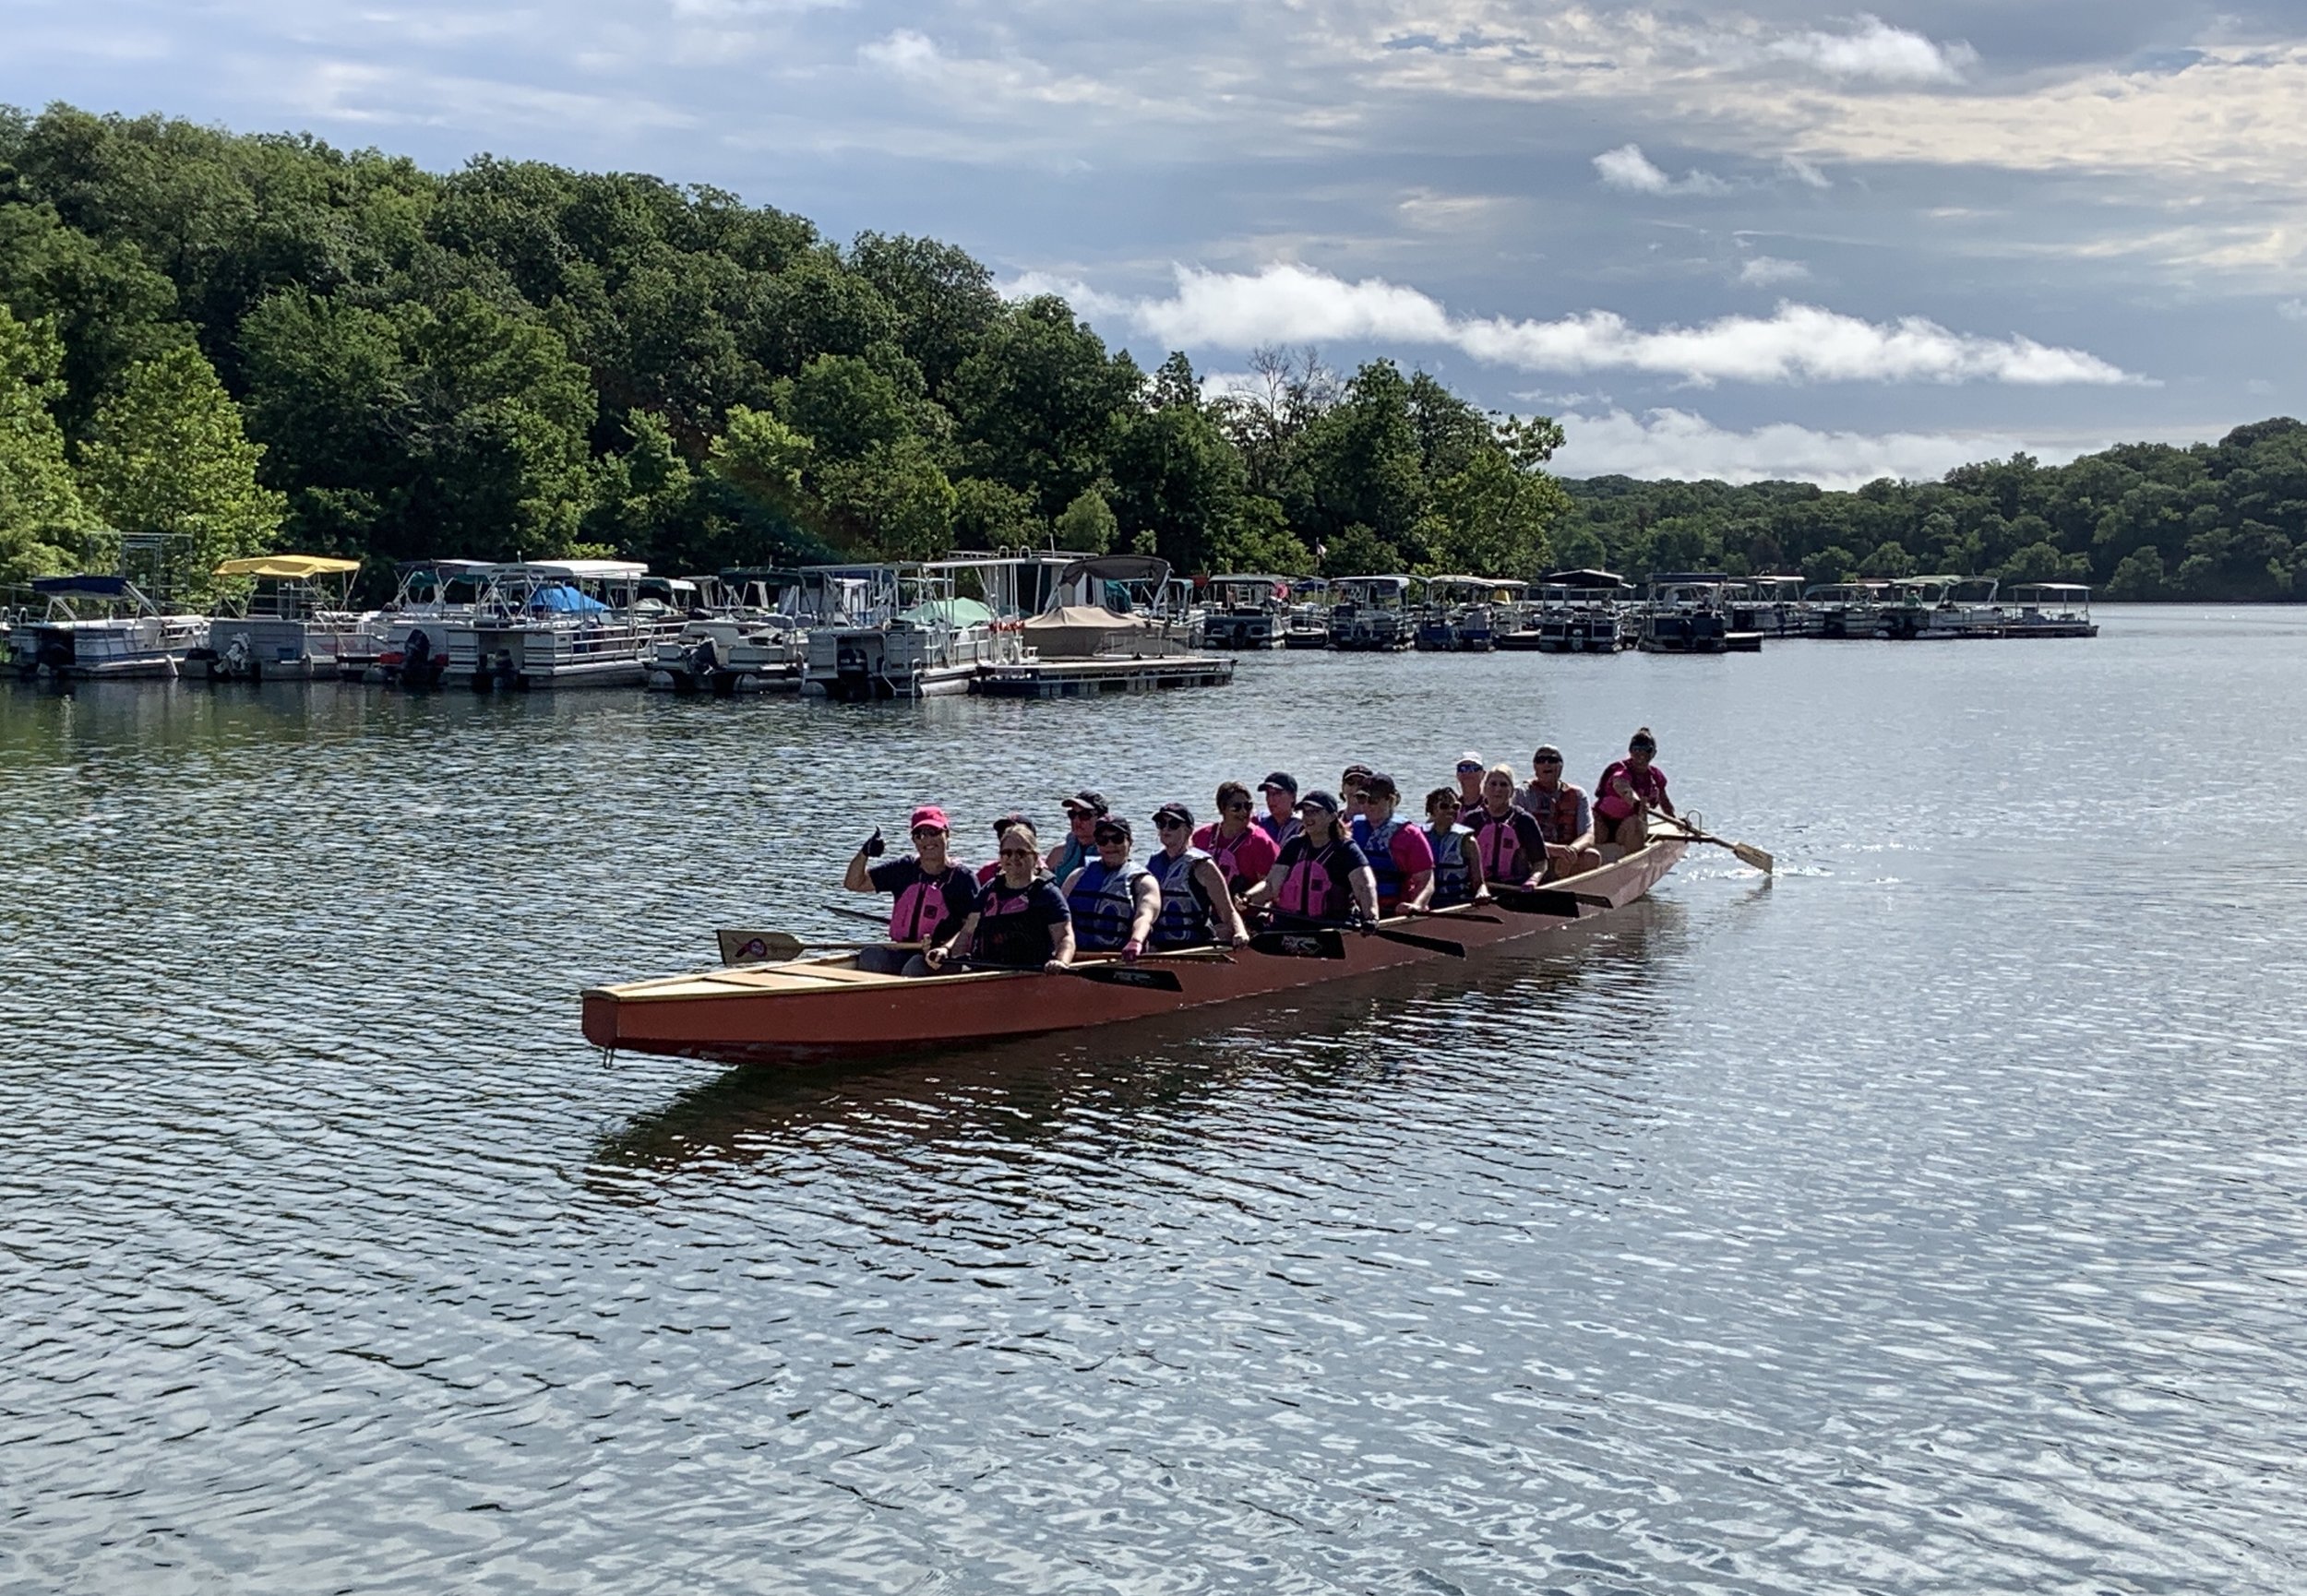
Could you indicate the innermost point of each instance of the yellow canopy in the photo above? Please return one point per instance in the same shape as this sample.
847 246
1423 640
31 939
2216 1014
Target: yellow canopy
294 567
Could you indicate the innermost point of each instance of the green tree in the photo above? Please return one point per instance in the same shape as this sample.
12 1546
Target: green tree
1890 558
1087 523
168 456
2139 577
1832 564
44 526
1039 403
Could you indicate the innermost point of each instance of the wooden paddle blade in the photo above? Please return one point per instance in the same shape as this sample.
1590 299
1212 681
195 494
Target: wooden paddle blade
1754 858
1315 942
1431 944
757 947
1130 975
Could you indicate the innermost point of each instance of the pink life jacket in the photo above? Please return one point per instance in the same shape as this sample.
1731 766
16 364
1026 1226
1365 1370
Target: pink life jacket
1311 890
920 909
1502 850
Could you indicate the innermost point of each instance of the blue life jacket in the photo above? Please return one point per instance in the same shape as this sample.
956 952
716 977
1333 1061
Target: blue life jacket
1378 842
1185 920
1453 880
1104 902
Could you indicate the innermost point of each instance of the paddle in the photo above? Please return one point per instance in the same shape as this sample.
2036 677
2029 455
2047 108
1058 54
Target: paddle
1319 943
866 915
1104 974
766 946
1550 901
1407 939
1456 912
1749 855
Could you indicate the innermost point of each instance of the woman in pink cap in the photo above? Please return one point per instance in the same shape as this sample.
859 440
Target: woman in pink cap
930 889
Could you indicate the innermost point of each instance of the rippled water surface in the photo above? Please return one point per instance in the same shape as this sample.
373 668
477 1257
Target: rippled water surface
1928 1220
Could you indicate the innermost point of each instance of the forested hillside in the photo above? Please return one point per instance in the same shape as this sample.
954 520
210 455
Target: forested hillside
2142 521
257 343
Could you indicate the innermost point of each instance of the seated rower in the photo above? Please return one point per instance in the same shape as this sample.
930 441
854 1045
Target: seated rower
1401 859
1079 847
1280 820
1628 790
1471 770
1020 920
1564 819
1322 876
1514 853
1194 891
1350 794
1241 848
1113 900
931 891
1001 828
1457 863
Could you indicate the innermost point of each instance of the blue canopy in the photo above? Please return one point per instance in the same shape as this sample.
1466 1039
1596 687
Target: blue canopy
563 600
91 587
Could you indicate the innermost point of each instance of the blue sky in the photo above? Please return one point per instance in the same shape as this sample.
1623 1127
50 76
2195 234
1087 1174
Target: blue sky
1764 240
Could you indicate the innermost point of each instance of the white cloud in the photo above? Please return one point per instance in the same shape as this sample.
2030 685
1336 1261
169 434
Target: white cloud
1804 173
1628 169
1878 50
1768 271
1674 443
1289 304
906 52
2292 310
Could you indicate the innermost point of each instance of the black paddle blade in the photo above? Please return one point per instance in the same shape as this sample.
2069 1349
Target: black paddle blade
1316 942
1546 901
1129 975
1431 944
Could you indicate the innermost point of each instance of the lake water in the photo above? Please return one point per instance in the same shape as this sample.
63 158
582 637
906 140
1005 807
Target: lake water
1926 1220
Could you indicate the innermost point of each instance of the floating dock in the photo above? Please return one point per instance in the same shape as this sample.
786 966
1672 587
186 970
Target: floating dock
1096 677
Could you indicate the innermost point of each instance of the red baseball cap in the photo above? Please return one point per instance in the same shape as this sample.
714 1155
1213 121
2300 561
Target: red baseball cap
928 814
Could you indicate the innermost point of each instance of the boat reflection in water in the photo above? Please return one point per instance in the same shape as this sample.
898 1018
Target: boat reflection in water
1569 1009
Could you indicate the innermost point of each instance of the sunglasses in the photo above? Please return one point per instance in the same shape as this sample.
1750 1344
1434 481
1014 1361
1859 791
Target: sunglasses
1105 837
1546 761
922 833
1239 806
1466 767
1169 825
1019 853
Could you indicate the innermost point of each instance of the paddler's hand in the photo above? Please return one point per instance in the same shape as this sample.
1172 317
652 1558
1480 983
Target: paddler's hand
1241 938
1056 966
1130 950
873 847
934 958
1363 924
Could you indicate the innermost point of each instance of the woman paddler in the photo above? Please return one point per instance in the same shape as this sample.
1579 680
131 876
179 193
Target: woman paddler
1242 851
1020 920
1084 810
1401 858
1113 898
931 891
1321 875
1457 863
1620 819
1512 849
1194 891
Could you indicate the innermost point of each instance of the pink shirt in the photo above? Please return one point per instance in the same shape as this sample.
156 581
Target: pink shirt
1650 786
1244 858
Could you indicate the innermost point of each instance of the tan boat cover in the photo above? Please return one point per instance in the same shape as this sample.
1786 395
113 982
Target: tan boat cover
1079 631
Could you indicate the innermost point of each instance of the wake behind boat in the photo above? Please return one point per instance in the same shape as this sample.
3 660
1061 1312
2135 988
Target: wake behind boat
817 1009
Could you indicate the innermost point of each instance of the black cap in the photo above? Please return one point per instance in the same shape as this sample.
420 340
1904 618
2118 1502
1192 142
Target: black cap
1002 825
1176 811
1378 784
1280 782
1318 799
1085 799
1113 822
1358 770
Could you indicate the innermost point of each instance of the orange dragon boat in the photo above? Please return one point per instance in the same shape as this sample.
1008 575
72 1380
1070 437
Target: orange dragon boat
817 1009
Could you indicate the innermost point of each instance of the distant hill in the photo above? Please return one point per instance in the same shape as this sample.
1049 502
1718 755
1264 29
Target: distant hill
2217 521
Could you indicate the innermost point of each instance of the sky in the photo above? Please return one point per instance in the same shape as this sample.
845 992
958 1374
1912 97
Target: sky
1754 241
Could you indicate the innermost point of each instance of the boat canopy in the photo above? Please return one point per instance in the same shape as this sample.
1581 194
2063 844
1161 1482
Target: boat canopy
83 587
1688 579
288 567
562 599
1117 568
952 611
576 570
1585 578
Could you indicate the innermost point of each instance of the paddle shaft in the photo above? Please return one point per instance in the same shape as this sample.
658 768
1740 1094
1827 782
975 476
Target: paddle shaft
1407 939
1747 853
1102 974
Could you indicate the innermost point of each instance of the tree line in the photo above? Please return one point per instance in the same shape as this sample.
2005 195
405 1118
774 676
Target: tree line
2211 521
254 342
251 343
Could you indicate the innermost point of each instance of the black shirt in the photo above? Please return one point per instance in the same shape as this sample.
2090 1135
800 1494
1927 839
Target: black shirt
1014 923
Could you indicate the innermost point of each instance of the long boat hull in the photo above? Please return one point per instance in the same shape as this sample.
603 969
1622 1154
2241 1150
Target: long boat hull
814 1010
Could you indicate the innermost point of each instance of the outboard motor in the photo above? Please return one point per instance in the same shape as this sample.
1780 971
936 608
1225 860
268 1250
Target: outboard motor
417 661
702 662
